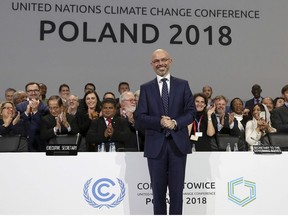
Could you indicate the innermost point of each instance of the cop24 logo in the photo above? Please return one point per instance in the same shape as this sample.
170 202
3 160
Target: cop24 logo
105 193
241 191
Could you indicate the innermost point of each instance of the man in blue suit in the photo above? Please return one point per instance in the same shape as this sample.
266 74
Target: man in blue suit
166 135
31 112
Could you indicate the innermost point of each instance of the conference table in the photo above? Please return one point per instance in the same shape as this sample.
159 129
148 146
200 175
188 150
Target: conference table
118 183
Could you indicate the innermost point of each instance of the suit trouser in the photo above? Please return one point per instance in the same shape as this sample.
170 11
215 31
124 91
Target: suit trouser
168 169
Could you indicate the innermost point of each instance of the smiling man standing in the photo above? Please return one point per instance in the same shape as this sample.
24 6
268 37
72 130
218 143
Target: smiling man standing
164 110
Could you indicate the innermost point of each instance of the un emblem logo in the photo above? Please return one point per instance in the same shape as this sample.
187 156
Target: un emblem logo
241 191
104 192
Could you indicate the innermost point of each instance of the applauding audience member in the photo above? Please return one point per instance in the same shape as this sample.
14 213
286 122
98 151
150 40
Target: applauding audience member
108 128
202 129
222 120
89 112
31 112
258 127
240 120
57 121
127 108
10 122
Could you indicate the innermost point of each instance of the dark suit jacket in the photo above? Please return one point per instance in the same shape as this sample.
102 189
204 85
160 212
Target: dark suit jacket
135 136
279 119
95 134
11 129
32 124
250 103
150 109
48 123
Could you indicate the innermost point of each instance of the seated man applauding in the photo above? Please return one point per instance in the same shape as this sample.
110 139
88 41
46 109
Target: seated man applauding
108 128
57 122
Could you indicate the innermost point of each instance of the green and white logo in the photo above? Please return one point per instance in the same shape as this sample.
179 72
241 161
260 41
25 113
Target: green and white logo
241 191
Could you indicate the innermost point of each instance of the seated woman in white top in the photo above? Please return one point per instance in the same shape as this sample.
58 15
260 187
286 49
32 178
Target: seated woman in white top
259 126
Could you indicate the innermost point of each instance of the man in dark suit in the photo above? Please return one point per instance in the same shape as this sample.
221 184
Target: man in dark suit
31 112
109 128
279 116
164 110
127 102
256 91
57 122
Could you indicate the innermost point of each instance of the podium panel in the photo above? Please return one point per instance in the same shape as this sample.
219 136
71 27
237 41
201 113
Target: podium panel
118 183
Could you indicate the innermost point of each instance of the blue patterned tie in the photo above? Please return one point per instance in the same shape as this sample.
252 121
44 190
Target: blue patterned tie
165 98
165 95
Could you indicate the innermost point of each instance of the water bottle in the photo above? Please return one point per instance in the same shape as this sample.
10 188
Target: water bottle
228 148
112 147
236 147
193 148
101 147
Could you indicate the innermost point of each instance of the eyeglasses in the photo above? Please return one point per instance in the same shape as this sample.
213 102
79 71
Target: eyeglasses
33 90
72 100
130 100
157 61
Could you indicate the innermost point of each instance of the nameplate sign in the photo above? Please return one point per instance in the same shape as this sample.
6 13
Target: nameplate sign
267 150
61 149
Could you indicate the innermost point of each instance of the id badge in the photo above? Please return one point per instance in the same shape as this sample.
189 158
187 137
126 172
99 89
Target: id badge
194 137
199 134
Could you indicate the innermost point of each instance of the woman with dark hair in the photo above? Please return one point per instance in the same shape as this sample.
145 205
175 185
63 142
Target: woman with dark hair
241 117
90 111
238 110
259 126
201 129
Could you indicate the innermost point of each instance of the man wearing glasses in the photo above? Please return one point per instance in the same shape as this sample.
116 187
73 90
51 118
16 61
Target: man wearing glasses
164 110
128 105
31 112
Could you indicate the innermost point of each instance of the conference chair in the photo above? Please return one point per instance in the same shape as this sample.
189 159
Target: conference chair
223 140
10 143
279 139
66 139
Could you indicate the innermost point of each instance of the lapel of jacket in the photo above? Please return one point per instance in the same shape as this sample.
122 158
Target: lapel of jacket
172 93
51 119
155 91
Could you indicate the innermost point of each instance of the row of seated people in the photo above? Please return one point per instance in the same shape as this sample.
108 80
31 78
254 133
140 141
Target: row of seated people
250 125
40 123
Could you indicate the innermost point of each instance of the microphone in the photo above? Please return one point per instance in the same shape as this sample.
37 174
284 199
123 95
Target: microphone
137 138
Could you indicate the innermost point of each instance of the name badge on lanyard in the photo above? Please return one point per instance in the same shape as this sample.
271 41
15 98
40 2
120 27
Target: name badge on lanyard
197 132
